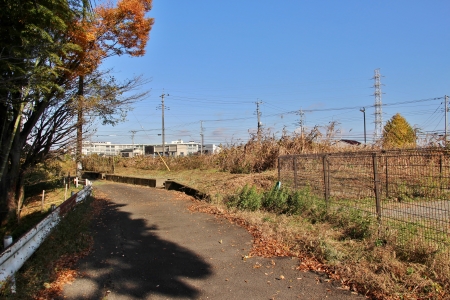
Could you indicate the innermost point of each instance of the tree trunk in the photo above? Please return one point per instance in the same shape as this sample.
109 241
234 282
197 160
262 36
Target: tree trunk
80 126
8 138
11 183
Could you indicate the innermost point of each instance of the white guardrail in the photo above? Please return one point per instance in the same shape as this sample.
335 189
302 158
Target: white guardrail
13 257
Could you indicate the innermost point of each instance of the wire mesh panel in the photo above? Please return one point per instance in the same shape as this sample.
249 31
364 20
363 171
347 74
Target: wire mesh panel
302 172
416 198
407 191
352 181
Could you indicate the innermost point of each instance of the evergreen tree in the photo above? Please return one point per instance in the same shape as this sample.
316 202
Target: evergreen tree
397 133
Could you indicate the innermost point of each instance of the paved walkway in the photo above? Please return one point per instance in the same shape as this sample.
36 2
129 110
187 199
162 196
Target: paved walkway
148 245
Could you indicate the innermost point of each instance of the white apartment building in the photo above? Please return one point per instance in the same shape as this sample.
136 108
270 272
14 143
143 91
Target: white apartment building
175 148
211 149
107 148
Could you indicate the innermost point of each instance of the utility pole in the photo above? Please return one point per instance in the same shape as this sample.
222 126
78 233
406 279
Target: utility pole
163 129
378 104
258 114
133 132
446 110
301 122
363 110
201 134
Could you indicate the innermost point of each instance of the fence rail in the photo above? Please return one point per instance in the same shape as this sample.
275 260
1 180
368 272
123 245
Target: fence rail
407 191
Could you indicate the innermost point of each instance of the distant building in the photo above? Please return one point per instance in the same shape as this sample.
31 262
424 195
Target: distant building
131 152
347 143
211 149
175 148
106 148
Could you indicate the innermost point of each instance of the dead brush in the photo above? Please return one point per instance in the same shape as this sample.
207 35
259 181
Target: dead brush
260 153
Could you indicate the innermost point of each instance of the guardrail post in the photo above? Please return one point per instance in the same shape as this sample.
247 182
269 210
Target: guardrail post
43 199
376 185
7 241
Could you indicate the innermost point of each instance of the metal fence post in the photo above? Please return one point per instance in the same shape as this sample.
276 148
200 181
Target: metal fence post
376 185
440 173
387 177
279 171
326 178
295 172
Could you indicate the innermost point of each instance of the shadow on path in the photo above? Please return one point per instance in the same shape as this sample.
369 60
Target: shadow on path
129 259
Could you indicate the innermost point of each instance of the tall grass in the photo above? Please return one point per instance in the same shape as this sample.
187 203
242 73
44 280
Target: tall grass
258 154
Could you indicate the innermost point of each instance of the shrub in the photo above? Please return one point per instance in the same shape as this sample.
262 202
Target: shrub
246 199
276 200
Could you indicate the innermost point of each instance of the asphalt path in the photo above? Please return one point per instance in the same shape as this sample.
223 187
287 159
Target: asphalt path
149 245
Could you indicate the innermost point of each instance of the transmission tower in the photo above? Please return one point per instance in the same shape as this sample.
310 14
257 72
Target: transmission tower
378 104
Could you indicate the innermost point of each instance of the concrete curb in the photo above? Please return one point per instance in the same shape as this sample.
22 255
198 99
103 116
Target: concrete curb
173 185
156 183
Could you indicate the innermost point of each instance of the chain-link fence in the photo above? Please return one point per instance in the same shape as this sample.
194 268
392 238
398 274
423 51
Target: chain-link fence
408 192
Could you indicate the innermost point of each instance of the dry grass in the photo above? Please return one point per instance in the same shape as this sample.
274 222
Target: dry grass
259 154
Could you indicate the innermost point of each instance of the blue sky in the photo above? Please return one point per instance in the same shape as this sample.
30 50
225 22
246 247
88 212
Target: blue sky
217 58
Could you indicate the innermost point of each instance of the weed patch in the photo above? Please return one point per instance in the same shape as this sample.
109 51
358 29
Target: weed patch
246 199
